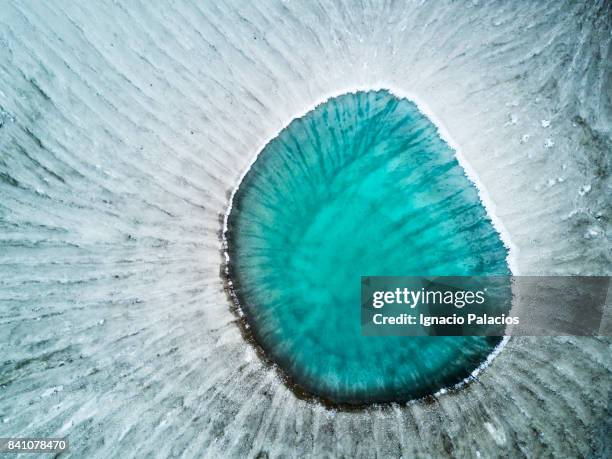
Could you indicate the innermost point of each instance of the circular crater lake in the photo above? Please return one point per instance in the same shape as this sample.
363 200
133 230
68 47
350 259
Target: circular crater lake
363 185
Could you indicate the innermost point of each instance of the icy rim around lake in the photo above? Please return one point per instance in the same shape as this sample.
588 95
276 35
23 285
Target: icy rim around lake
511 259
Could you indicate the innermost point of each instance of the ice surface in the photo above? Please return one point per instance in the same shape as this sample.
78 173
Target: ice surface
361 185
124 127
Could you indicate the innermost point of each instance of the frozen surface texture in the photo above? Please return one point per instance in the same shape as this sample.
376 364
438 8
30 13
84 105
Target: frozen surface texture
362 185
125 126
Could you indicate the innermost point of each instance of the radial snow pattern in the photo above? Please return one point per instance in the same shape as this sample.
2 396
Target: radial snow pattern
124 129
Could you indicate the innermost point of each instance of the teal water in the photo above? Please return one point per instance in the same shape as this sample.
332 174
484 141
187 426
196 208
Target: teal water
362 185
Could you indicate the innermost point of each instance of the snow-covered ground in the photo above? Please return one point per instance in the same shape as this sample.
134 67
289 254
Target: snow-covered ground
124 129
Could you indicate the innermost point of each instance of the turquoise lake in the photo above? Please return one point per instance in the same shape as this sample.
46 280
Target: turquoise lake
362 185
